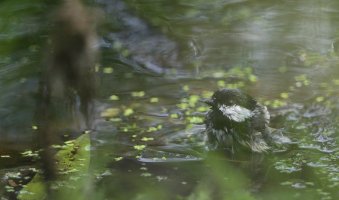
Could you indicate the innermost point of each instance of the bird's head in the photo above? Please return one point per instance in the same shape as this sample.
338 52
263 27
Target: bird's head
232 104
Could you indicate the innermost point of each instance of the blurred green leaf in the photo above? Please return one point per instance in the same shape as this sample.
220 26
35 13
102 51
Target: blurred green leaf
73 164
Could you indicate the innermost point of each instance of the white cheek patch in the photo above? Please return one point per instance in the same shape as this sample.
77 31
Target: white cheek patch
235 112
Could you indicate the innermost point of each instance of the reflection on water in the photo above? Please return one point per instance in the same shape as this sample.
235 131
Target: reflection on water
159 59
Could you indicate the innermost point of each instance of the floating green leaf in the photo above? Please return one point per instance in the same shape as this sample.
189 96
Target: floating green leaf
138 94
114 98
108 70
174 116
195 120
193 99
320 99
186 88
221 83
128 112
146 139
154 100
284 95
110 112
139 147
118 158
252 78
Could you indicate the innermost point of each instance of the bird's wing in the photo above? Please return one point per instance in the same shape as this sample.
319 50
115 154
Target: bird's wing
257 143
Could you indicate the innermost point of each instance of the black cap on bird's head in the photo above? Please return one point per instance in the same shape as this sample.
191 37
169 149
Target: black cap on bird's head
230 97
232 104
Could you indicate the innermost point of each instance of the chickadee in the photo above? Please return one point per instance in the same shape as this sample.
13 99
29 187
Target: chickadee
236 123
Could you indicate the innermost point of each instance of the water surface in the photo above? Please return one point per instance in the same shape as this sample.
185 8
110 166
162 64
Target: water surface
159 58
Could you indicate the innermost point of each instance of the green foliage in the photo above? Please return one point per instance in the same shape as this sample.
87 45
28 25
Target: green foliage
72 163
223 181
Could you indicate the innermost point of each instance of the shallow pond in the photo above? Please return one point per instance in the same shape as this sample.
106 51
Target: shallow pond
159 59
